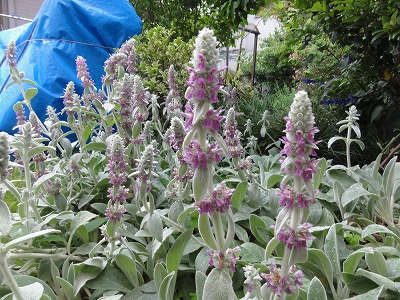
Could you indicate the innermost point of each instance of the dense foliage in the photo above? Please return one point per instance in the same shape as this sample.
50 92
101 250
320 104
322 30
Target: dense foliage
340 52
156 51
132 199
368 31
186 18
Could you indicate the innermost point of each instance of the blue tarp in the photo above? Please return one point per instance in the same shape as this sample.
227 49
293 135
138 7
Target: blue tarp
48 46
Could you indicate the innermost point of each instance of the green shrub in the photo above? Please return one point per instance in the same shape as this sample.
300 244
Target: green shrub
156 52
277 103
273 65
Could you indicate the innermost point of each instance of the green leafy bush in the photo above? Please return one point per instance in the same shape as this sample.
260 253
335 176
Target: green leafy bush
273 65
156 51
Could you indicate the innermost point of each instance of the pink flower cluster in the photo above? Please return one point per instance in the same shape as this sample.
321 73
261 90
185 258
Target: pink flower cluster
128 48
288 198
218 202
299 151
197 158
296 237
212 119
115 214
283 284
224 260
203 84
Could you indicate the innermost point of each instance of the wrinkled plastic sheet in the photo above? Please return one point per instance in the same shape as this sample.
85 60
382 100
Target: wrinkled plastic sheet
48 46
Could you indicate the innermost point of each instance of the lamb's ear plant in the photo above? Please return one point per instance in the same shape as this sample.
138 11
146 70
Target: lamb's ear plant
128 211
213 201
7 243
350 123
296 196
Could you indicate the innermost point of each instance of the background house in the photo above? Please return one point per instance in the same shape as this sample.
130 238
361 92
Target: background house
17 12
245 42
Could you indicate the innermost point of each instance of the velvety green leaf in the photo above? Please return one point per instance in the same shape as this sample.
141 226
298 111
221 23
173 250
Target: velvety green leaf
30 93
376 263
351 263
334 139
353 193
218 286
380 280
128 267
273 180
86 271
31 82
160 272
321 261
33 291
155 227
110 279
316 290
201 179
239 194
24 280
27 237
174 255
388 177
13 190
331 250
206 231
167 287
256 221
94 146
370 295
200 281
358 284
5 219
81 218
188 210
251 253
375 228
319 174
272 244
241 233
67 288
175 210
202 261
298 256
39 149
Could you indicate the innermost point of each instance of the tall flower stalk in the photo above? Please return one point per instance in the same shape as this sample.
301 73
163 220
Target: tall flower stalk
296 196
200 153
117 193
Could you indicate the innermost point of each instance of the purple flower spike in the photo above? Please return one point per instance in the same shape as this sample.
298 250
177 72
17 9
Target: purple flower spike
232 135
116 163
11 54
83 72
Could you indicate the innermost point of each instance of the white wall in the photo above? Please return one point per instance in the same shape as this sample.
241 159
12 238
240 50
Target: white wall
265 27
